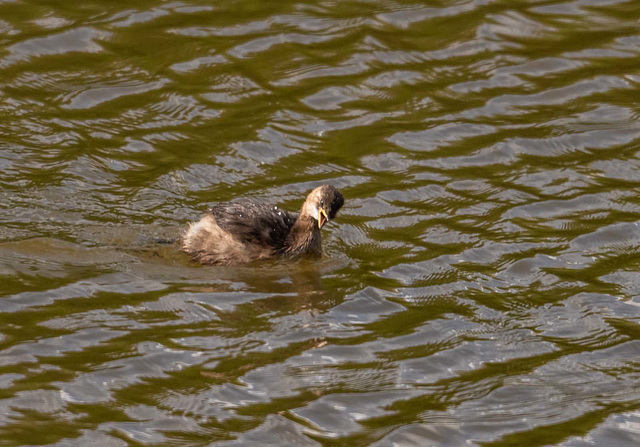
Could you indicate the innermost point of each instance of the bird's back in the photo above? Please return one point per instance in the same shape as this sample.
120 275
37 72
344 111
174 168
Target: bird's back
254 223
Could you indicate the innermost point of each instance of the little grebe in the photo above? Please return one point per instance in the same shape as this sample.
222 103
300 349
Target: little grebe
238 233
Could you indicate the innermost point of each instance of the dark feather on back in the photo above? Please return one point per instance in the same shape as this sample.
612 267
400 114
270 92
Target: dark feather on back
255 223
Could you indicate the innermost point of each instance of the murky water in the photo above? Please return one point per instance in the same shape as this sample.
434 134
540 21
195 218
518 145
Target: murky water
481 284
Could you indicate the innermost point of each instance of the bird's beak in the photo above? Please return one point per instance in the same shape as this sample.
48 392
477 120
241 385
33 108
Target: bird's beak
322 218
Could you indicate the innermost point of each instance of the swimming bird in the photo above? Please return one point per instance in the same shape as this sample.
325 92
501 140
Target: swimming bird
241 232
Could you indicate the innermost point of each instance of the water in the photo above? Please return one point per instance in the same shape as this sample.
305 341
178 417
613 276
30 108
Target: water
481 284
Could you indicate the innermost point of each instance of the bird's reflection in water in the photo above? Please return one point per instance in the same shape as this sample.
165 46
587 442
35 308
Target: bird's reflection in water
278 288
283 301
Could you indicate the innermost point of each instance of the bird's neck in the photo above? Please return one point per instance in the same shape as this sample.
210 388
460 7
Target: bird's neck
304 236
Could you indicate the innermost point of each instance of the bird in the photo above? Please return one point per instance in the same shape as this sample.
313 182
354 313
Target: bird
233 233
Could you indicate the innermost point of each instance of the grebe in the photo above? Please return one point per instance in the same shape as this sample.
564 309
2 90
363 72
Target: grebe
243 232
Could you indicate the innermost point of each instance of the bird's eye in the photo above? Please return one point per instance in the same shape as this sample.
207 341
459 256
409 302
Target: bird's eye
322 203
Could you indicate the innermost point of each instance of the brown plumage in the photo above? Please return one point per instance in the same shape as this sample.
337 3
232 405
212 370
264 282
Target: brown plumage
238 233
